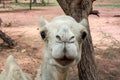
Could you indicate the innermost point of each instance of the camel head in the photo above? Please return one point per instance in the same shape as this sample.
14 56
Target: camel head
63 38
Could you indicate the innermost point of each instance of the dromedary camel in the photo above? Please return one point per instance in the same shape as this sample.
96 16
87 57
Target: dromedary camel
13 71
62 38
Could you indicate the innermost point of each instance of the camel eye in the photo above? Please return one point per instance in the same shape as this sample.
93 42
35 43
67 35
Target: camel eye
84 34
43 34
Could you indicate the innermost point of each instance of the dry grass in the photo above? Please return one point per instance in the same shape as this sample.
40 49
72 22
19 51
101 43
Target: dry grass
109 55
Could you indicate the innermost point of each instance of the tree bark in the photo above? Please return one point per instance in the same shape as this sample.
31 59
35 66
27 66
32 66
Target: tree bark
3 3
80 9
7 39
34 1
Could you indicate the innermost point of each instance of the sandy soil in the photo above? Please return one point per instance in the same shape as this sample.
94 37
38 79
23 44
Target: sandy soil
28 53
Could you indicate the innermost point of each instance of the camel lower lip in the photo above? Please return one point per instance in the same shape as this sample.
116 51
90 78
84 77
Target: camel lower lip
64 62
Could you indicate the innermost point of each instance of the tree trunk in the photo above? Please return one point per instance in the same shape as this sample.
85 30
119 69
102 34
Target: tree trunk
7 39
0 22
16 1
30 4
3 3
43 2
80 9
34 1
0 1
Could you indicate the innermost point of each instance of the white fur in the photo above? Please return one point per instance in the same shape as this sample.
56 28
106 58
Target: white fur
68 43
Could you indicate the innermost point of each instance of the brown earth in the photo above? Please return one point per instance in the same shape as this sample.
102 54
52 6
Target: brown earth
28 53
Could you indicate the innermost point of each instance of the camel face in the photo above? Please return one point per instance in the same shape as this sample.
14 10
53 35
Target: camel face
63 38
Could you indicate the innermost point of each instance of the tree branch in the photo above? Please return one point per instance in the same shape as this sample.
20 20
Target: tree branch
94 12
11 43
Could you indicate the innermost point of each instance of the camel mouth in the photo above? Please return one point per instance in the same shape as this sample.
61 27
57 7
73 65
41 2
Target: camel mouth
64 61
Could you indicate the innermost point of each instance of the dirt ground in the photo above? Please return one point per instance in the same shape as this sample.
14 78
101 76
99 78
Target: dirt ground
105 31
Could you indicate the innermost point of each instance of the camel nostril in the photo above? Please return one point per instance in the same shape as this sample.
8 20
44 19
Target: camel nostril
58 37
71 39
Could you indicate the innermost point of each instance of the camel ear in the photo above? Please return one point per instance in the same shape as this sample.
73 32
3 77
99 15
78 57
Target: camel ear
43 21
10 60
84 22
